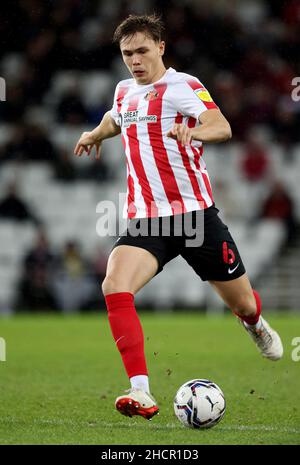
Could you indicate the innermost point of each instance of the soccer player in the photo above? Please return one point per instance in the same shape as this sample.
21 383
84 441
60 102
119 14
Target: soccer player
164 117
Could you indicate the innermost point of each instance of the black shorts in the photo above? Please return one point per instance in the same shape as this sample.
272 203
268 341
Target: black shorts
211 252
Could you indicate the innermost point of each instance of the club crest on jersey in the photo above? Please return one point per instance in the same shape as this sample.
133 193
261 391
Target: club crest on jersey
203 95
151 95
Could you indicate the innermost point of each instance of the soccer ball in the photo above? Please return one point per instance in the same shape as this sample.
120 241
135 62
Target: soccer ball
199 403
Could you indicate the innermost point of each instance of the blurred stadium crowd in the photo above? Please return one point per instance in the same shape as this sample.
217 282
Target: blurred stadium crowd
247 51
61 67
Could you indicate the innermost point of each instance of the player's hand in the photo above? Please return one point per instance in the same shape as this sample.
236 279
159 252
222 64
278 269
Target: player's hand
181 133
86 143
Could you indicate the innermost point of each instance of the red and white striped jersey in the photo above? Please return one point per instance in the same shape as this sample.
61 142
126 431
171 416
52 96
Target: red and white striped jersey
163 177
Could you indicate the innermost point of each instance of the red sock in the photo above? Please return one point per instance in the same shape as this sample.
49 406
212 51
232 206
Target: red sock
252 320
127 332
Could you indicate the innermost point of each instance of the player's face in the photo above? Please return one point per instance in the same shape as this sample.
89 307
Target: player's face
143 57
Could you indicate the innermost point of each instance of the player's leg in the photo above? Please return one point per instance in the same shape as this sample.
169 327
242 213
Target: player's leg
245 302
218 261
128 270
238 295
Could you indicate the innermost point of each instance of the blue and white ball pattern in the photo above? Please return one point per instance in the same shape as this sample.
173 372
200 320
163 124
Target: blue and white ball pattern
199 403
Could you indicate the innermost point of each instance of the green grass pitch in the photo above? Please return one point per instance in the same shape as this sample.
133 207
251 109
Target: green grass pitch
62 374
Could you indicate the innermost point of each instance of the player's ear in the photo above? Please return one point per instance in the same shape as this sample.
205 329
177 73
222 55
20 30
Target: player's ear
161 46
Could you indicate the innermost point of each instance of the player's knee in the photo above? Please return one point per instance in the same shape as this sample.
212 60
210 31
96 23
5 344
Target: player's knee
111 285
245 305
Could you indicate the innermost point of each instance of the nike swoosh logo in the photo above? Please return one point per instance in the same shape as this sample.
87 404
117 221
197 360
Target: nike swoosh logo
230 271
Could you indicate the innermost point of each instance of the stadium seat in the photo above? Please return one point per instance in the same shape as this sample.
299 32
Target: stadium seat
5 135
36 174
95 87
61 82
12 66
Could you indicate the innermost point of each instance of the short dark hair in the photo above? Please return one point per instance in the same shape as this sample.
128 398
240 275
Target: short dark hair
151 25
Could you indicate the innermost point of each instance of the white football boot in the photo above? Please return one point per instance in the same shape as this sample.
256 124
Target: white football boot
266 339
137 402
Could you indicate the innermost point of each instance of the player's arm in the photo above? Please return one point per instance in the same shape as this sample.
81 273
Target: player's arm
214 127
106 129
194 100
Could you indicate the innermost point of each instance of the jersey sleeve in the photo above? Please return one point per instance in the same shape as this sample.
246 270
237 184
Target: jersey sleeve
193 99
114 110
